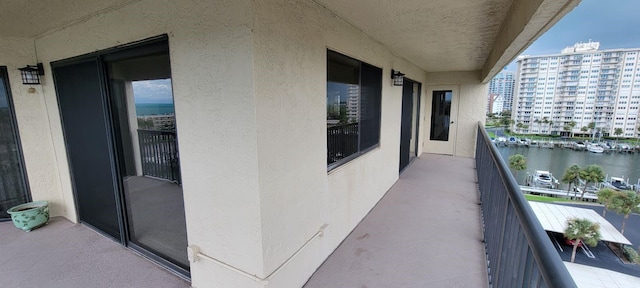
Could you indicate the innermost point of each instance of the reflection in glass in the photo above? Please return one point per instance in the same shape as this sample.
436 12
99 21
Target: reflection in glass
142 102
13 190
441 115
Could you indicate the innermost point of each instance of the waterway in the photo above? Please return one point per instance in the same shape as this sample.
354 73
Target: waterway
557 160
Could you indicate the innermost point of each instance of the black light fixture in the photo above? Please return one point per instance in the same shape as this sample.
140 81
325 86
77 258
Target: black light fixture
398 77
31 74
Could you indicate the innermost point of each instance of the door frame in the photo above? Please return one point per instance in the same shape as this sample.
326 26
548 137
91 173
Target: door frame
414 121
145 46
436 146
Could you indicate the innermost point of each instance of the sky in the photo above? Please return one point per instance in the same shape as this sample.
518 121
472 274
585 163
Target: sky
152 91
613 23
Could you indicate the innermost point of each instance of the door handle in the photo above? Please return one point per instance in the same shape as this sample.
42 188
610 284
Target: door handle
451 122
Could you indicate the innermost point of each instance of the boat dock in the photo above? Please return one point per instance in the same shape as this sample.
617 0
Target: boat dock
557 193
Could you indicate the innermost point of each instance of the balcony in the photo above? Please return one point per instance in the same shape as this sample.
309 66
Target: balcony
424 232
427 232
63 254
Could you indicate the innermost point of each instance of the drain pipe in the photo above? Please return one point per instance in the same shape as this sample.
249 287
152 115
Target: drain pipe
194 254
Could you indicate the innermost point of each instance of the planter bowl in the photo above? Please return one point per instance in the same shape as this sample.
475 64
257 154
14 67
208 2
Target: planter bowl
30 215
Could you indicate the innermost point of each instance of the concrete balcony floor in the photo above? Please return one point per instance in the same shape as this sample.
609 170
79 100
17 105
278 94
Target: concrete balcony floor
425 232
63 254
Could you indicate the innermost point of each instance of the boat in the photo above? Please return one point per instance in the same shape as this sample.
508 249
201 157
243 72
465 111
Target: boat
531 143
618 184
595 148
543 179
579 146
547 144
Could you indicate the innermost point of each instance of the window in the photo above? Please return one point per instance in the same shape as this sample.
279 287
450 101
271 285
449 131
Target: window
354 91
14 189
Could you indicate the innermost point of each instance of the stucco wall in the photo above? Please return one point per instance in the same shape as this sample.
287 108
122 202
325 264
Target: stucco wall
297 194
471 108
211 62
250 96
33 126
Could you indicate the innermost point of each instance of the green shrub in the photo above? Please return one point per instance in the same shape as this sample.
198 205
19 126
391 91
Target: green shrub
631 254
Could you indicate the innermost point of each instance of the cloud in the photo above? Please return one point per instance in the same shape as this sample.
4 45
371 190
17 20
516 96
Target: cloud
153 91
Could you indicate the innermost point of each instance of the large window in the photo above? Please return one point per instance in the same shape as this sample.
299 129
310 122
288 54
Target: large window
354 92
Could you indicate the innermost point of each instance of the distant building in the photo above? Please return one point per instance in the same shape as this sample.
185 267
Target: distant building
501 90
582 84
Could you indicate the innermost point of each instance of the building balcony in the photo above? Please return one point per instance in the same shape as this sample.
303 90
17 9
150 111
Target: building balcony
400 243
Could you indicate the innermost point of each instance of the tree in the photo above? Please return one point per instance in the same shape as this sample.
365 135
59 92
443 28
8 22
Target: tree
605 196
625 203
571 125
617 132
545 120
591 174
550 127
584 129
582 230
592 128
517 162
571 176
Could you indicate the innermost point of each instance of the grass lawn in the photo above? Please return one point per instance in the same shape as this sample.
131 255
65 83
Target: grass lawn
539 198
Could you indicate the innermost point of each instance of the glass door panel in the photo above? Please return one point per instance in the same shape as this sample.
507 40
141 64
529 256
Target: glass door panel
13 184
146 138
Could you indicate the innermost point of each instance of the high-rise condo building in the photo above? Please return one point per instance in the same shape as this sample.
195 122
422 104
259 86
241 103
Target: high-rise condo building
500 96
583 86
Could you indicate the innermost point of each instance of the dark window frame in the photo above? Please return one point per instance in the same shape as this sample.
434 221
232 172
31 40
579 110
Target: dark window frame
4 77
371 81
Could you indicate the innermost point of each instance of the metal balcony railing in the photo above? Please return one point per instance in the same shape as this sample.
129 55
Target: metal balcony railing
159 154
519 252
342 141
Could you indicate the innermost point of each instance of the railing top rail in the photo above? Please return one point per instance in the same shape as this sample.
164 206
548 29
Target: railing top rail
552 268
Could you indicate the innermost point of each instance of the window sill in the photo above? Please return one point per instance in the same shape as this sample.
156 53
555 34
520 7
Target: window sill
342 162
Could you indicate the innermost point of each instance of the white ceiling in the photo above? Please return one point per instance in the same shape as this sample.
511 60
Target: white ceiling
30 18
436 35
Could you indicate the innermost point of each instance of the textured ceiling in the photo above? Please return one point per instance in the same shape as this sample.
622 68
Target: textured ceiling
436 35
30 18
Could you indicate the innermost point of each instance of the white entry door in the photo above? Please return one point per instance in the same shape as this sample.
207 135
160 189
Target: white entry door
440 131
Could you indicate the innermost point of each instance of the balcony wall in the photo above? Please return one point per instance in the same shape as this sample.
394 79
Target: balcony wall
33 124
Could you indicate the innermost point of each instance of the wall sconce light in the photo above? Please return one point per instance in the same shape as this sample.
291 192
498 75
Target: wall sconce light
31 74
398 78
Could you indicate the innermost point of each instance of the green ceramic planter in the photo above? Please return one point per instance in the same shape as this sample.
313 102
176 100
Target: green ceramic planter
30 215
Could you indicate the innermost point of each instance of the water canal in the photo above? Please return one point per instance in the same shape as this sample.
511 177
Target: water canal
557 160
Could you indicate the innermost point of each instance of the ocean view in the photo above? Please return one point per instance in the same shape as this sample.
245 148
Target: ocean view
146 109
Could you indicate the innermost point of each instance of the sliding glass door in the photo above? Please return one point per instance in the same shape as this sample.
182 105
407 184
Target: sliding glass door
13 183
120 132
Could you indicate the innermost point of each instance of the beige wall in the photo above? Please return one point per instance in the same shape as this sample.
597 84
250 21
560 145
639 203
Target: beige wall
297 194
471 108
250 95
211 62
33 124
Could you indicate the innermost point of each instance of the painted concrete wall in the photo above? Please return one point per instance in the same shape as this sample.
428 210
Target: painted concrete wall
471 108
211 62
250 95
297 194
33 124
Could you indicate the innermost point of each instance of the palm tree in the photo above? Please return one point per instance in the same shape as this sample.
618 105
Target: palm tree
591 174
617 132
592 128
582 230
584 129
605 196
571 176
625 203
517 162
